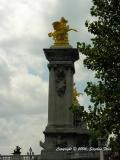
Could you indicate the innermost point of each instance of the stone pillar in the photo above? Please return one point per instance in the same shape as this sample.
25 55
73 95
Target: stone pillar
60 131
61 70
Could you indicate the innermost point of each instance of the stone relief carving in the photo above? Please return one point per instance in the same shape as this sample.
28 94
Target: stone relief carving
61 142
60 79
42 145
60 76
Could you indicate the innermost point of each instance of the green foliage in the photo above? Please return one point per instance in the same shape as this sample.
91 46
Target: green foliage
115 143
103 57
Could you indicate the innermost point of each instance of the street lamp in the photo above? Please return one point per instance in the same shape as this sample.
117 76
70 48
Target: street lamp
30 153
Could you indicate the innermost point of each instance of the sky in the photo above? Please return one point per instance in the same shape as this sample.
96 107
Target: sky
24 28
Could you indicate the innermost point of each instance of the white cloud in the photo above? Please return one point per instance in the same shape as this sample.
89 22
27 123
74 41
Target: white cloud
81 73
23 107
4 73
25 133
27 94
23 91
25 18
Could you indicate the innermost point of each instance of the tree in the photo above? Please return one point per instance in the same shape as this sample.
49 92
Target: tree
103 57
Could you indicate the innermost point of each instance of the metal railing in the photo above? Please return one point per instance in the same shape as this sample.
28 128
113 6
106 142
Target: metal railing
19 157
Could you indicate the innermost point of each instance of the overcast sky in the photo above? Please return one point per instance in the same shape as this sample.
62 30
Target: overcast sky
24 27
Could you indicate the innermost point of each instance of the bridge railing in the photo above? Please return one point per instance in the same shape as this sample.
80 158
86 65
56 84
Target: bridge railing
19 157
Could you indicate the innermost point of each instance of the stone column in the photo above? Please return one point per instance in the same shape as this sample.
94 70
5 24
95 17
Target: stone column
60 131
61 70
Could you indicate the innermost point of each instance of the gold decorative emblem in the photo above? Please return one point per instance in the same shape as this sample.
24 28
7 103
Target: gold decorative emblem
60 34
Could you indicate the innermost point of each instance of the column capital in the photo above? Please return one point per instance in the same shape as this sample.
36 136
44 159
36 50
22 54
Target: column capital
61 54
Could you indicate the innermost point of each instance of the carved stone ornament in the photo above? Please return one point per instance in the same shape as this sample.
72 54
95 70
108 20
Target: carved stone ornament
61 142
60 81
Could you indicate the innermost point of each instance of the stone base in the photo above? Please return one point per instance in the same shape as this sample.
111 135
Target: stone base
66 129
65 136
66 155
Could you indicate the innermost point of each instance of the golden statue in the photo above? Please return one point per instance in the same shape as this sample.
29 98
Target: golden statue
60 34
75 95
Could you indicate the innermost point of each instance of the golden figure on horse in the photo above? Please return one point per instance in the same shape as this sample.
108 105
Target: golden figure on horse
60 34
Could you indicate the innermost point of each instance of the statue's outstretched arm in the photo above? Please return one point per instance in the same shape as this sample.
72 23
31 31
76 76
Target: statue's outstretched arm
73 30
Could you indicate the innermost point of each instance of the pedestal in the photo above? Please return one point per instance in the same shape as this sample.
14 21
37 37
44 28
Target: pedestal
60 130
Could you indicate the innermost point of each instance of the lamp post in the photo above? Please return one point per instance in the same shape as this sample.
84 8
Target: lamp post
101 144
30 153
